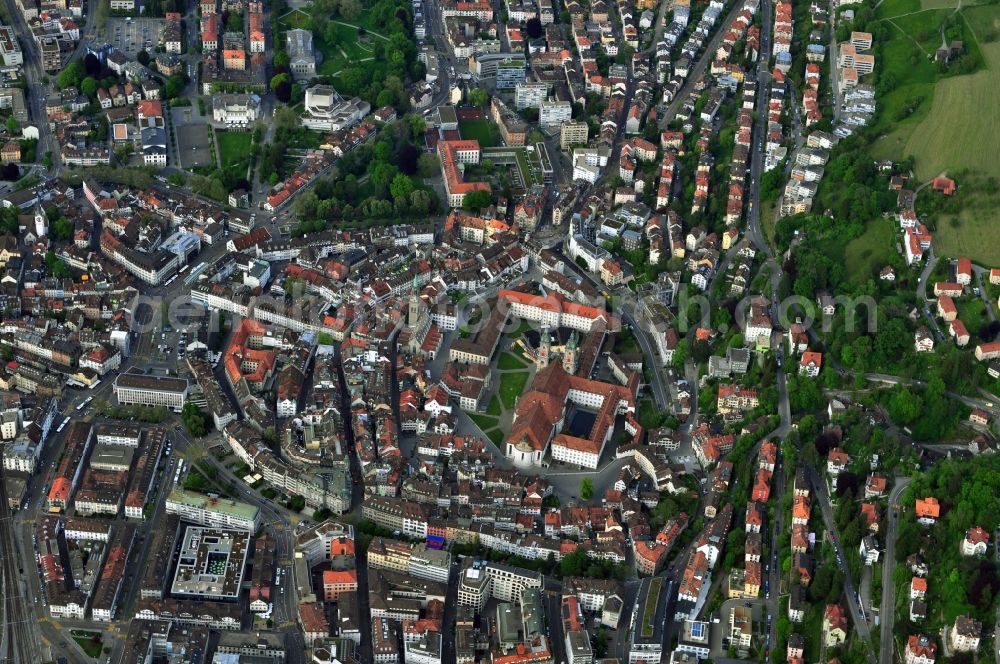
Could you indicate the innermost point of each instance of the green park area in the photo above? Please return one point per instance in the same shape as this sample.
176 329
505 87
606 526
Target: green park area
89 642
866 255
234 147
512 384
972 312
483 131
341 42
509 360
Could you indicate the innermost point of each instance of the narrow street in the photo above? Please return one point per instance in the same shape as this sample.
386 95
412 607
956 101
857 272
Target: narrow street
887 612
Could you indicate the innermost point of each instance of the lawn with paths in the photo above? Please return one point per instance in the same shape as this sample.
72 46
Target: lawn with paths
512 384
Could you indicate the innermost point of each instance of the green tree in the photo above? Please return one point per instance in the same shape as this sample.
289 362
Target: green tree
573 563
905 406
57 266
417 126
427 165
194 419
278 79
478 97
587 488
175 86
401 186
89 87
70 76
477 200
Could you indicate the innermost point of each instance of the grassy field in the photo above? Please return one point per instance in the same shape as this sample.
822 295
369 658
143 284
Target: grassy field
938 4
972 312
512 385
946 123
496 436
348 49
90 642
897 7
494 407
865 256
484 422
234 146
510 361
767 220
483 131
972 232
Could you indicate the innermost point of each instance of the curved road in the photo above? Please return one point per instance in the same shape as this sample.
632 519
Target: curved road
887 612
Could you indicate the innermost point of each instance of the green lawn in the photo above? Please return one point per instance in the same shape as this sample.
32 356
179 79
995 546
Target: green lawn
897 7
495 435
494 408
234 146
649 611
767 220
511 361
972 312
512 385
90 642
484 422
347 49
483 131
866 255
295 19
648 414
972 231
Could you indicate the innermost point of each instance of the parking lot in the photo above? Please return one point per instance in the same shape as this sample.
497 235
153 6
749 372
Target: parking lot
132 36
193 138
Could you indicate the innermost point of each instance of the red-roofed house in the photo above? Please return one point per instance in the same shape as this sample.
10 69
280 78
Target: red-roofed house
963 271
976 542
336 582
810 363
946 308
958 330
945 185
920 649
928 510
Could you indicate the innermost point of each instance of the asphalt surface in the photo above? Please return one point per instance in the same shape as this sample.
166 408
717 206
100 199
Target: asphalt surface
887 612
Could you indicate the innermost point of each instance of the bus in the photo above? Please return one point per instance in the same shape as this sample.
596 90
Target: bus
92 386
184 269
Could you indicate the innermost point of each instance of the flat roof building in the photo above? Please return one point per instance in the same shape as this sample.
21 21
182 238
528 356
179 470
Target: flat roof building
649 621
213 512
133 388
210 564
